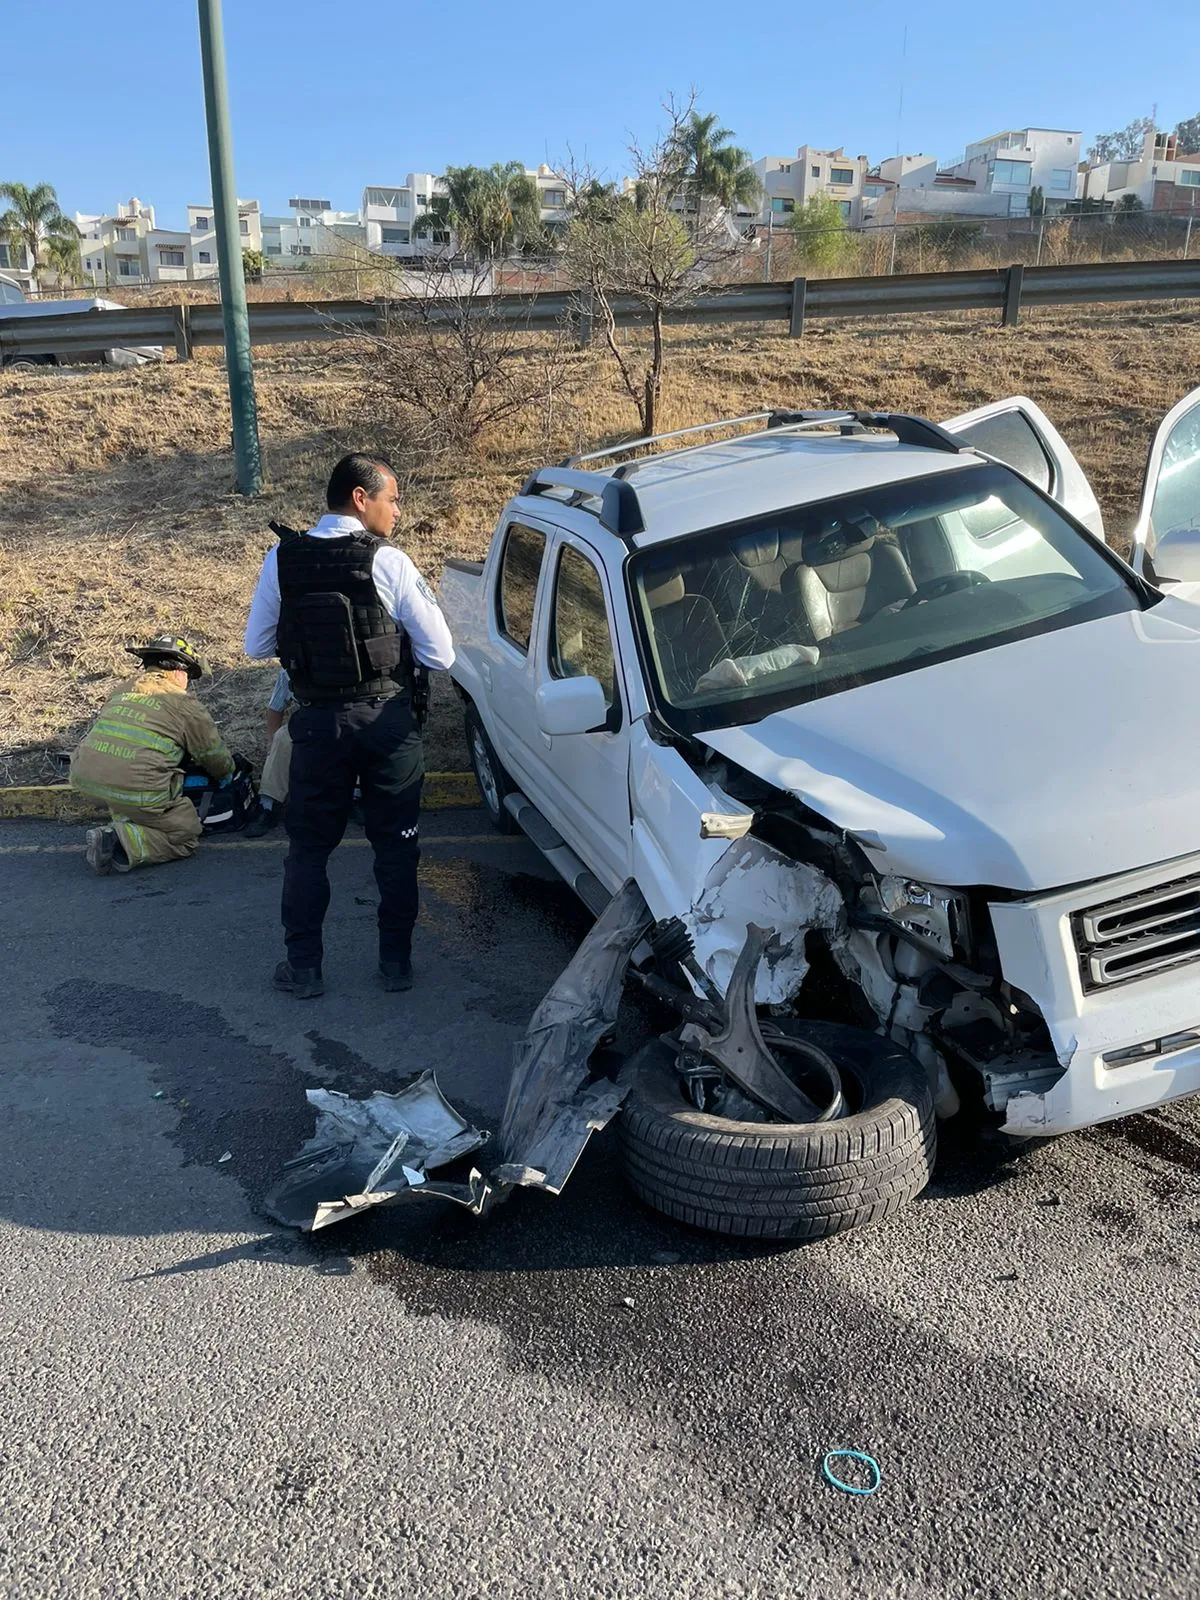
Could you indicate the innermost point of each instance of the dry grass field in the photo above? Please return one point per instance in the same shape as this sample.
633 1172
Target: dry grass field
118 516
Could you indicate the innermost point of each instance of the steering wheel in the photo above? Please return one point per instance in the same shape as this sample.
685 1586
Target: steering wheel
948 583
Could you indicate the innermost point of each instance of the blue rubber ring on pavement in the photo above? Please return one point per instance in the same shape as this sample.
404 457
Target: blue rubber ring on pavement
852 1455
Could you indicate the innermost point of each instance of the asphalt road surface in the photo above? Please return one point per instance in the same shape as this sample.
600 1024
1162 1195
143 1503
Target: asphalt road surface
195 1403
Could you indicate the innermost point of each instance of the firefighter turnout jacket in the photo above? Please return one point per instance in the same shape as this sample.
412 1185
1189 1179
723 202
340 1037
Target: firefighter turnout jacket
132 759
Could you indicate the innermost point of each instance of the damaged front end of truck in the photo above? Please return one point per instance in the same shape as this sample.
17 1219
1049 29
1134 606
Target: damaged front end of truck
856 944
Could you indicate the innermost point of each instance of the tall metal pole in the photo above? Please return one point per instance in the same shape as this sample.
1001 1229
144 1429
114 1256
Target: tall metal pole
238 363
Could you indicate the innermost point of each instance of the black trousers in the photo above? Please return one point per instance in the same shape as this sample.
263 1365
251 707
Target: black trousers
377 745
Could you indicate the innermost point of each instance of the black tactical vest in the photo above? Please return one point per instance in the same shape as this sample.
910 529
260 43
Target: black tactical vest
335 637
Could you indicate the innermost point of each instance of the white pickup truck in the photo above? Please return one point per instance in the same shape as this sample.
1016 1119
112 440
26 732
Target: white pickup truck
880 687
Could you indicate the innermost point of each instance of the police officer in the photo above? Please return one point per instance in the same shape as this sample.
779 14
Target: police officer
347 614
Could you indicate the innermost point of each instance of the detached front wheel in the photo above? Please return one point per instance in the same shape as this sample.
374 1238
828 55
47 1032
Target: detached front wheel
494 783
780 1180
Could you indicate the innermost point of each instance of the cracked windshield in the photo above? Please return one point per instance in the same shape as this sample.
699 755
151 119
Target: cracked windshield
803 603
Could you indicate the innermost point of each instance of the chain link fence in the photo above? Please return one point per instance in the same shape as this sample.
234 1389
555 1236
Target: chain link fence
948 244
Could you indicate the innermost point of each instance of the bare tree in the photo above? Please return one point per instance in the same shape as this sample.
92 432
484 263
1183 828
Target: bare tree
452 363
630 256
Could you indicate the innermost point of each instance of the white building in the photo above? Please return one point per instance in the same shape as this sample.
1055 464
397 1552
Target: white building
16 265
1163 178
202 235
789 182
390 212
129 247
312 228
555 197
1015 163
912 188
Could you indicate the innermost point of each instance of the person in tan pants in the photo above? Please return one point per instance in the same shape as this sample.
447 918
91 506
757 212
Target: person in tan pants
273 785
132 759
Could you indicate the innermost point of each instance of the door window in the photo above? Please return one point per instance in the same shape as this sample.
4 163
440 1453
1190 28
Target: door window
1010 437
580 641
1176 502
520 567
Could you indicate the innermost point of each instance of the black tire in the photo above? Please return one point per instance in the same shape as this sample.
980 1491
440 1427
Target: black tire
777 1180
494 783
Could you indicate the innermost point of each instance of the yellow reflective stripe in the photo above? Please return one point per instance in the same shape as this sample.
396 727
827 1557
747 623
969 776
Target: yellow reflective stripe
131 835
144 737
126 797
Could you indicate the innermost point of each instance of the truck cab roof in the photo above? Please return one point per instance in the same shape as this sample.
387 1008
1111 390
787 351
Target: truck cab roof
664 496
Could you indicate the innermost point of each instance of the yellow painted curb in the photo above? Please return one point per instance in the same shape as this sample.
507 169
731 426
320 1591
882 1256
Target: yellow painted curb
56 802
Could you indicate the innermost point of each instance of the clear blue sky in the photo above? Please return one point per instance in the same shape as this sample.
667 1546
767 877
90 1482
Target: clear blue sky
105 101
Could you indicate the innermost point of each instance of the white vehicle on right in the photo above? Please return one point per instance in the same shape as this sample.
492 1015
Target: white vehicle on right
878 687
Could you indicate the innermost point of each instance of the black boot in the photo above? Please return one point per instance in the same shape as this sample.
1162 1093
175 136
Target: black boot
264 819
305 983
396 976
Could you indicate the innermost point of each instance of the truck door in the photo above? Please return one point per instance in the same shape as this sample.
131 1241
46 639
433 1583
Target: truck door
1171 492
508 664
1021 435
582 784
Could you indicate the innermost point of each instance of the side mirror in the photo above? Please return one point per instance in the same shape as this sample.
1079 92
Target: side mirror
570 705
1177 556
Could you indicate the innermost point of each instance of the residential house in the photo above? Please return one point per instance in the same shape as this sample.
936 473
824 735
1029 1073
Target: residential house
129 247
16 265
1164 178
202 235
1015 163
390 213
913 188
555 196
789 182
313 228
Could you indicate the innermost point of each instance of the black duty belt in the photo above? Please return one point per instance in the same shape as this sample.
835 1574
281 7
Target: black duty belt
345 705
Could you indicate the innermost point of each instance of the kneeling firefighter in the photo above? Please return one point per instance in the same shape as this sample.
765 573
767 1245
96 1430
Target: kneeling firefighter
134 756
349 617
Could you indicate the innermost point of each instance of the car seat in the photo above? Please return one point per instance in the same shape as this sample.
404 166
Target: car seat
687 633
848 573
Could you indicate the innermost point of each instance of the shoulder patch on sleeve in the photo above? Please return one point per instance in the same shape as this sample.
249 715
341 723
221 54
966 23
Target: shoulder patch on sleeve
426 592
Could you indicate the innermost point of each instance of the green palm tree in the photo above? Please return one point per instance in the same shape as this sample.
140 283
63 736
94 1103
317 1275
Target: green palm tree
709 167
61 254
34 220
492 208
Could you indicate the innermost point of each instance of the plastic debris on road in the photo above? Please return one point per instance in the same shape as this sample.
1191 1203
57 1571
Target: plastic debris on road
368 1153
375 1151
872 1466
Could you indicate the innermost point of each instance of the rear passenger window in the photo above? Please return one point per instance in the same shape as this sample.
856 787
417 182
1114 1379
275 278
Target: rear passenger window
581 645
1010 437
519 568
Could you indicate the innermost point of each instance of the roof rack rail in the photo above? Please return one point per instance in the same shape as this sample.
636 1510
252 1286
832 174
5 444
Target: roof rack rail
619 510
657 438
909 429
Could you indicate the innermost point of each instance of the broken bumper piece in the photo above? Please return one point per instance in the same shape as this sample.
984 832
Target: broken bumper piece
369 1152
376 1151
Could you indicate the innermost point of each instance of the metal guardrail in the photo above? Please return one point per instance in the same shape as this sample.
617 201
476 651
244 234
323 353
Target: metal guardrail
1005 289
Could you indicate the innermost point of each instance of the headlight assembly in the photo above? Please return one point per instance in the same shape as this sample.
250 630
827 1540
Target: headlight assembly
936 919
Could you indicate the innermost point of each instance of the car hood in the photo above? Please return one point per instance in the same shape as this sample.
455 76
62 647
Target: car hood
1048 761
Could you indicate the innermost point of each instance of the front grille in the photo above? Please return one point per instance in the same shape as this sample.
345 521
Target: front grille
1143 933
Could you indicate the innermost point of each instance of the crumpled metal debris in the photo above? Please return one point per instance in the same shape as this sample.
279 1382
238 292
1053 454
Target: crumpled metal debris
369 1152
752 882
375 1151
552 1110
